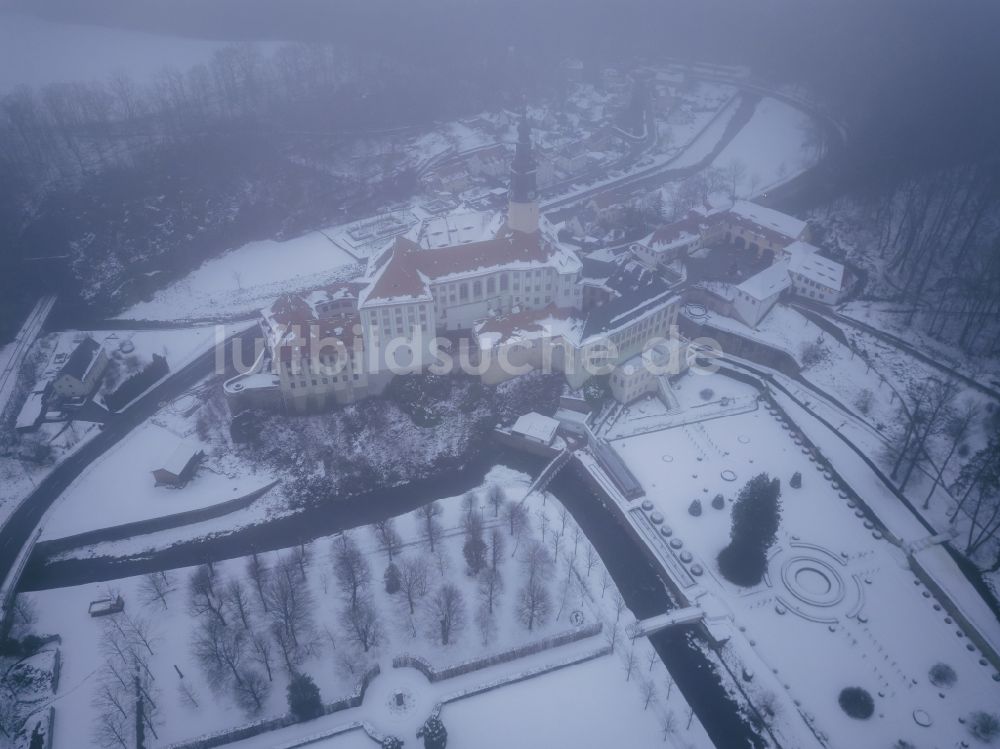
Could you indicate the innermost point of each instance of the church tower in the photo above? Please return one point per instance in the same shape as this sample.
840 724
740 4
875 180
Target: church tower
522 213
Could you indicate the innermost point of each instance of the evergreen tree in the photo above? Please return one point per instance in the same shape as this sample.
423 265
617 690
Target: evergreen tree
474 548
756 516
392 579
434 734
303 697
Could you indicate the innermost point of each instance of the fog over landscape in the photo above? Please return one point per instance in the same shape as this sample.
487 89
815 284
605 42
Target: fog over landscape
493 374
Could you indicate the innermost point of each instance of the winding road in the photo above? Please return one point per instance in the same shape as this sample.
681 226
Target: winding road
21 524
23 521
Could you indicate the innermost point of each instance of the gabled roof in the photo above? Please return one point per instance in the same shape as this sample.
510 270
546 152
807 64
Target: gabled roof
180 456
79 361
624 309
681 232
769 219
805 260
767 283
404 272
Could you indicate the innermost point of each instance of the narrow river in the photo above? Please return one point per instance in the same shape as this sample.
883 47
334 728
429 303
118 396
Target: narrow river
632 573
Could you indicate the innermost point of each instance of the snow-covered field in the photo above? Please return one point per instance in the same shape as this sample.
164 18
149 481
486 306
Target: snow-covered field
245 279
772 148
877 627
36 52
335 660
119 487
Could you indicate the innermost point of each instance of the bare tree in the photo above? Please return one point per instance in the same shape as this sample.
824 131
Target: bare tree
290 605
533 604
428 515
447 612
652 657
362 625
353 572
155 587
496 547
619 604
668 725
590 560
516 518
236 599
470 507
387 536
260 652
123 680
630 661
648 692
490 587
535 561
413 580
201 595
302 557
257 571
486 623
957 429
222 652
497 498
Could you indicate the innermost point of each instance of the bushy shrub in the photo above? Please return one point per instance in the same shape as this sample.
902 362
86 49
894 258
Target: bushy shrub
718 501
796 482
856 702
694 508
942 675
303 697
984 726
391 579
756 516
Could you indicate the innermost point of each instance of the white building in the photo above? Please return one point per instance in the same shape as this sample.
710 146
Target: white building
535 427
754 297
814 276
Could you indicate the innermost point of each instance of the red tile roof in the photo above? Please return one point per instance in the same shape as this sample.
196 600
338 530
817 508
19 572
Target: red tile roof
405 270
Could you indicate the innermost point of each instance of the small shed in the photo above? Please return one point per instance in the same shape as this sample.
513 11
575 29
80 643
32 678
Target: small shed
536 428
180 465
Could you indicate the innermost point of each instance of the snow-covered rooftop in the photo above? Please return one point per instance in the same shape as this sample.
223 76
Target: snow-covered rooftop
807 262
458 228
182 454
769 218
536 426
767 283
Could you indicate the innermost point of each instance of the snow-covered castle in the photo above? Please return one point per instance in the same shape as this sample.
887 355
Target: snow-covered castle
514 302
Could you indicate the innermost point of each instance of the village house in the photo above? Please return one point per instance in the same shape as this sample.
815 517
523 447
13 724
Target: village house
81 374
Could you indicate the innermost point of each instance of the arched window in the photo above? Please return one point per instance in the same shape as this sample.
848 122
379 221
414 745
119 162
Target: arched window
463 291
504 282
477 289
491 285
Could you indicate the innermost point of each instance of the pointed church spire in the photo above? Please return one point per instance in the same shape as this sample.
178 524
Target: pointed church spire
522 214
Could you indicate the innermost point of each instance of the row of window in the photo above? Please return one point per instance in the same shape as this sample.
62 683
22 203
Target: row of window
324 380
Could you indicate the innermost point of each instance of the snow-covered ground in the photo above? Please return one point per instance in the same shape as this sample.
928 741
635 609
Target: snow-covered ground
335 661
245 279
35 52
773 147
18 475
877 627
707 139
119 487
180 346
